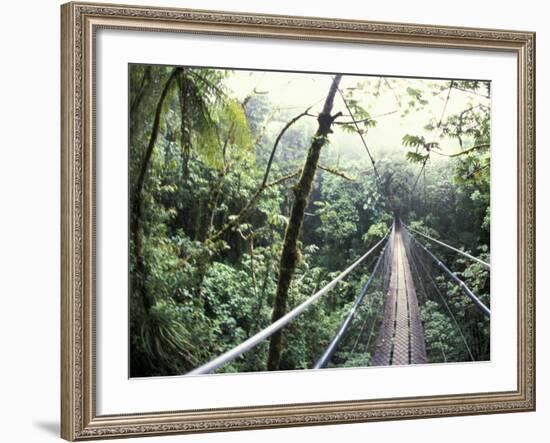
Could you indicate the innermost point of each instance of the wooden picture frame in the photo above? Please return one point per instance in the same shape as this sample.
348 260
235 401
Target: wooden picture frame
80 22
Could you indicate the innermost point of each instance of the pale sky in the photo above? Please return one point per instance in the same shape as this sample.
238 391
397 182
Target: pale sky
294 92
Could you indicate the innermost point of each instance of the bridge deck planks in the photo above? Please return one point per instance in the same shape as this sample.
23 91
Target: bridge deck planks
400 340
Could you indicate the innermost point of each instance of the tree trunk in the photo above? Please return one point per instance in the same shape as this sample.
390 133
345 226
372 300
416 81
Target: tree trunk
207 222
139 283
185 140
302 190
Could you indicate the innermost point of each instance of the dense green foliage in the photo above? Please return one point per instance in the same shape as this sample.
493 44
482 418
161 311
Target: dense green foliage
213 176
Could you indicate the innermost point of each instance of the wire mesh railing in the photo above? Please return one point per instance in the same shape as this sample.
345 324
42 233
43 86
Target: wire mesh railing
464 314
380 270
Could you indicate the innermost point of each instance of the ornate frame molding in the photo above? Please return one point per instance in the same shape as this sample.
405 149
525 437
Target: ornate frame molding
79 23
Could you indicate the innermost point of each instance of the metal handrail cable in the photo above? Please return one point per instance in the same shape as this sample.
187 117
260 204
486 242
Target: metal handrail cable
331 348
484 263
256 339
463 285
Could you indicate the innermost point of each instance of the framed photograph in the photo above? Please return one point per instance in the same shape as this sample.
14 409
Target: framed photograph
282 221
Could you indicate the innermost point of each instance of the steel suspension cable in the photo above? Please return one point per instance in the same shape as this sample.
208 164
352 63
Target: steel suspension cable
463 285
256 339
377 178
418 176
484 263
358 130
331 348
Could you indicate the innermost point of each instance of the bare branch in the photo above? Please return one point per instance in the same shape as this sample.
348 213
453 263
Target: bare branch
446 103
393 91
365 120
467 91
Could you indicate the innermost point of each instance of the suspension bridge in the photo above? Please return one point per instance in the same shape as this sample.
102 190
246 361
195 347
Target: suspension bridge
403 264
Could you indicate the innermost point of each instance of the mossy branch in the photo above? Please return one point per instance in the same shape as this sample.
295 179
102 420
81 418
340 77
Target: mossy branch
465 151
337 172
263 185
